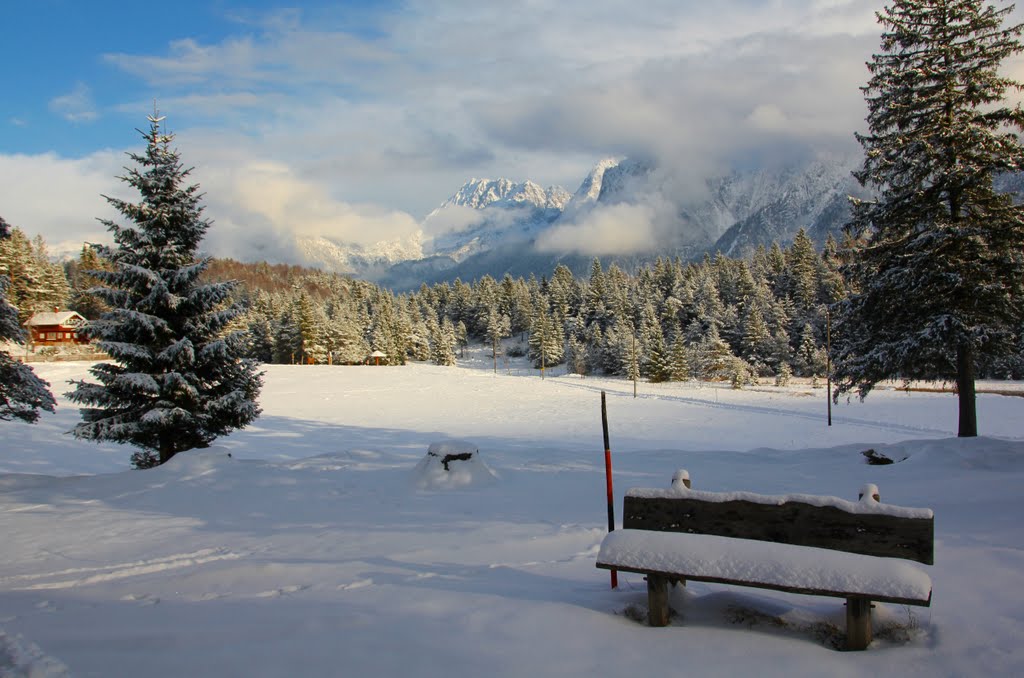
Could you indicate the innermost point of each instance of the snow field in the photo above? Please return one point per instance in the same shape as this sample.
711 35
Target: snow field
311 550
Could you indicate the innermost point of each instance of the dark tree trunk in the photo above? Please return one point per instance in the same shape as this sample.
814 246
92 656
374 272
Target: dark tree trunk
166 452
965 390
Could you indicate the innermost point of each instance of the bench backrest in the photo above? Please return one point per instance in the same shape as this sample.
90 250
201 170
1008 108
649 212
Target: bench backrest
789 522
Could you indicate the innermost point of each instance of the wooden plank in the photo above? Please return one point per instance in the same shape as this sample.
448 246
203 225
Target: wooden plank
657 600
774 587
858 623
789 523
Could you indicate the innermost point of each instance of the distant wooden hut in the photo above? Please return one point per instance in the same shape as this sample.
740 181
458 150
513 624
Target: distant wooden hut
374 358
56 328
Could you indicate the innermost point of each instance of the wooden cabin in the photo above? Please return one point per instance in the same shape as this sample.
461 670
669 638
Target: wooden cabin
56 328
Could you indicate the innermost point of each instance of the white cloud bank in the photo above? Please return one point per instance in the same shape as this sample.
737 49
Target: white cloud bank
298 124
620 229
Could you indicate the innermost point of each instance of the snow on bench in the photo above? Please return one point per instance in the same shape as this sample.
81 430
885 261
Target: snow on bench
784 567
806 544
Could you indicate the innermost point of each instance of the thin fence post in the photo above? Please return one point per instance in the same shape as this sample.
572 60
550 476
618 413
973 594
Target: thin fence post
608 477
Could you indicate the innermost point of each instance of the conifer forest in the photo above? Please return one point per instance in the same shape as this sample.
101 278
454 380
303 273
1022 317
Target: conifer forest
718 319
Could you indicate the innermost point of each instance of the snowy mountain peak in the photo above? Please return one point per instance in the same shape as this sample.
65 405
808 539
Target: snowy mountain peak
590 189
366 261
481 193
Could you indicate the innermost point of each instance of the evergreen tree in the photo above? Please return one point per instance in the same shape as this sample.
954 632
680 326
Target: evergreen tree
657 360
34 282
940 275
287 340
311 321
717 362
577 356
176 382
83 301
546 341
462 338
22 393
261 339
679 360
498 327
757 343
443 343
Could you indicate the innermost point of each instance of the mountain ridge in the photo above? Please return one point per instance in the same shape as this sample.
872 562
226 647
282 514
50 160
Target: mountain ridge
491 225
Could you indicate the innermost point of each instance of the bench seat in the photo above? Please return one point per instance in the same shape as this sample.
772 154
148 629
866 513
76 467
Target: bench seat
783 567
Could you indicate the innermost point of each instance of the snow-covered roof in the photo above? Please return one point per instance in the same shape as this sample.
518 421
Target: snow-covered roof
378 354
63 318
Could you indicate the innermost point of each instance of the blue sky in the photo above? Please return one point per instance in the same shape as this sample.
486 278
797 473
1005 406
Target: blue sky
354 119
69 89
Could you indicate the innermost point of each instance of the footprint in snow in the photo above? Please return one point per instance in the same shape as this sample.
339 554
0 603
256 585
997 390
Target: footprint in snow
355 585
283 591
141 599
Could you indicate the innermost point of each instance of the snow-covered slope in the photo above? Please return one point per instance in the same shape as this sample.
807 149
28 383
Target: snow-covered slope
360 261
489 213
590 190
321 548
771 206
483 193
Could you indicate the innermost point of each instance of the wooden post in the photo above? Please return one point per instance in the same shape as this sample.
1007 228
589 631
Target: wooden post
636 364
543 339
657 600
608 477
858 623
828 361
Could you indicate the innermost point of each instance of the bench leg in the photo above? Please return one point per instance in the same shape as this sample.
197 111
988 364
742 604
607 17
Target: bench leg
657 600
858 623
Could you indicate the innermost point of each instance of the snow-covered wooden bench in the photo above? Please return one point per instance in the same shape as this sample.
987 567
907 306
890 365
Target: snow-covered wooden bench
815 545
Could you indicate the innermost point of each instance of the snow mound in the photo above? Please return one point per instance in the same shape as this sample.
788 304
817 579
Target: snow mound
198 462
452 464
20 657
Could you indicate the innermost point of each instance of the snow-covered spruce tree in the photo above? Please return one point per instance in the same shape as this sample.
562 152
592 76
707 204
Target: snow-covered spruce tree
177 380
34 282
22 393
939 275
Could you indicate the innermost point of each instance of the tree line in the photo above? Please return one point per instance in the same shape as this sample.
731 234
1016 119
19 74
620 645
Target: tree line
720 319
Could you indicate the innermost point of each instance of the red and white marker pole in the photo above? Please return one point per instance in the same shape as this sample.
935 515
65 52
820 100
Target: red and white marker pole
608 478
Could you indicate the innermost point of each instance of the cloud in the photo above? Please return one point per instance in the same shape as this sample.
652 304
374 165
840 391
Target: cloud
75 106
60 198
261 206
451 219
623 228
258 207
356 119
402 113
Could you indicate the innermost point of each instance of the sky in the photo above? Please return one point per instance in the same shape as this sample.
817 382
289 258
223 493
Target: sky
355 119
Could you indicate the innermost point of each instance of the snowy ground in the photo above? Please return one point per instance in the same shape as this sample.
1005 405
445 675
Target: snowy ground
314 549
